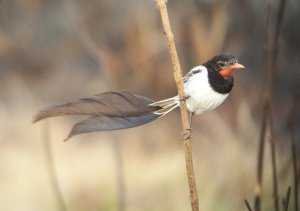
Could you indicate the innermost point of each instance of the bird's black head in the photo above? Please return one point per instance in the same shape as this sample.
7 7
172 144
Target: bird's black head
223 63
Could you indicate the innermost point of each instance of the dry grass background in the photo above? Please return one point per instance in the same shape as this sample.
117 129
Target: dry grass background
56 51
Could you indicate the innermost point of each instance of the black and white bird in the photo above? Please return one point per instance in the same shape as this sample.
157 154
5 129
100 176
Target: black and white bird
206 87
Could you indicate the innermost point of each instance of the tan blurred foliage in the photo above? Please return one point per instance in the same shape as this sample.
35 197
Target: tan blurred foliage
56 51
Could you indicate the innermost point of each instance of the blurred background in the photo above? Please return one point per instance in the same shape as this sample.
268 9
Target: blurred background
52 52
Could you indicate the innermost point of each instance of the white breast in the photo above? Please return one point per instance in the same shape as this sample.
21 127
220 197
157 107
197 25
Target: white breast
202 97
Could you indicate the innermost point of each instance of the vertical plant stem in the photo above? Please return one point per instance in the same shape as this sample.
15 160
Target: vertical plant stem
92 47
272 55
270 74
273 51
279 23
260 161
274 166
293 149
120 173
266 117
51 170
261 147
286 200
183 109
248 205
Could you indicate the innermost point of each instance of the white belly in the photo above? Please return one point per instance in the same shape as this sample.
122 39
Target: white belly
202 97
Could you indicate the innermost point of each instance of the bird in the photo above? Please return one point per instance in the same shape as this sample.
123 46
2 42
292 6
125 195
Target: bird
206 86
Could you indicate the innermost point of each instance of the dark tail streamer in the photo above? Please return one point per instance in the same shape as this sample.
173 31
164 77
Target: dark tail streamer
109 111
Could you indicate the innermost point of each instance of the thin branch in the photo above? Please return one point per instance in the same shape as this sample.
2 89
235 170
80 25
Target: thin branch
183 109
260 161
261 147
273 51
119 173
270 76
52 170
272 55
286 200
274 167
95 51
248 205
293 149
279 23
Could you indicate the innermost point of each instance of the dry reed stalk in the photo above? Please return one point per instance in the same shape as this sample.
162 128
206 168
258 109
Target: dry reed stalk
265 119
183 109
279 23
248 205
286 200
52 170
260 163
273 51
293 149
270 78
272 55
92 47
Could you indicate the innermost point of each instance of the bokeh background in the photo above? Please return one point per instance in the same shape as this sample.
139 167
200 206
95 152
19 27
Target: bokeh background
55 51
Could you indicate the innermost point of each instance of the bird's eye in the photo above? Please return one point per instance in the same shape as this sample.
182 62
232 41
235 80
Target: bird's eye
222 64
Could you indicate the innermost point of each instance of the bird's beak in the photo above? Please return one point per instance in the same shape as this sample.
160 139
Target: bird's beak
227 72
237 66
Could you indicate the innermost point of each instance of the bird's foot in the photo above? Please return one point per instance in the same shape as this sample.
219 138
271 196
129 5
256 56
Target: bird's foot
184 98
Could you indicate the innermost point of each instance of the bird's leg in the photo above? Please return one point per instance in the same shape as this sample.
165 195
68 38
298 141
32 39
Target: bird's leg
190 119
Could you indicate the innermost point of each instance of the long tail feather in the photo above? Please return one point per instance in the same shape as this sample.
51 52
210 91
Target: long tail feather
121 103
105 123
110 111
